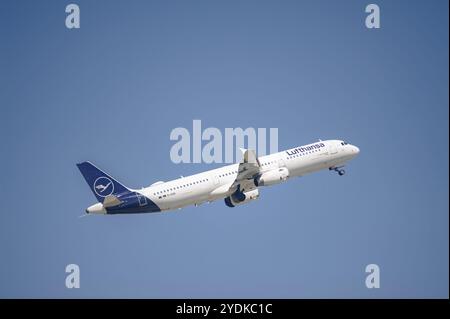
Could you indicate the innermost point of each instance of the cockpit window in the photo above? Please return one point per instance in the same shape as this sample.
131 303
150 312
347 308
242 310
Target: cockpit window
344 143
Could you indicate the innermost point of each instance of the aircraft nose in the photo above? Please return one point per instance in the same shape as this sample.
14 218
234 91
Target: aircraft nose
355 150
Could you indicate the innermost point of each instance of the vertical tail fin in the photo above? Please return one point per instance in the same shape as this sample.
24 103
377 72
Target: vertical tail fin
100 183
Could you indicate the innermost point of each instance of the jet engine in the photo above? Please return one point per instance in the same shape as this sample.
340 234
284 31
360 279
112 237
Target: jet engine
239 198
272 177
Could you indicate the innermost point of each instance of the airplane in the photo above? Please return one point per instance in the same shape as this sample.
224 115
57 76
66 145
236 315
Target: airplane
237 183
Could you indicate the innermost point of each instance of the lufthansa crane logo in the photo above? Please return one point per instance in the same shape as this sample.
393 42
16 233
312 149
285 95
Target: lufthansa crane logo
103 186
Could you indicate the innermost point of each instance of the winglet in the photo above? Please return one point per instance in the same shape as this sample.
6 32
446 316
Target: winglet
249 156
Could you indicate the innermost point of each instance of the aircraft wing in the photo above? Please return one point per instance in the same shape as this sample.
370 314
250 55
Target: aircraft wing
249 168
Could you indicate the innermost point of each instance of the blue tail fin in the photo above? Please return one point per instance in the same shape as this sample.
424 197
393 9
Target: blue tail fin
100 183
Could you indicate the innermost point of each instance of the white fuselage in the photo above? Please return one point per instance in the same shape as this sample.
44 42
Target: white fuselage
215 184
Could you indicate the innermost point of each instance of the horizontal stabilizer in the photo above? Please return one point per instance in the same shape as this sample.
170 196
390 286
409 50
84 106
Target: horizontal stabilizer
111 201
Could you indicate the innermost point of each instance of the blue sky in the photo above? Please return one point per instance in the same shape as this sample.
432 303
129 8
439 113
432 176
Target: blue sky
112 91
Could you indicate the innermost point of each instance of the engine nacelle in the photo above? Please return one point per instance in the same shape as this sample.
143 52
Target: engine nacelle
241 198
272 177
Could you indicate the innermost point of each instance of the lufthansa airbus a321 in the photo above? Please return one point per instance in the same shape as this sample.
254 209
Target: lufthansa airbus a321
237 184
